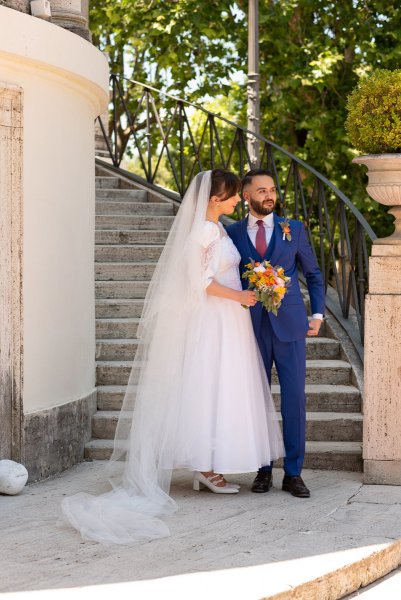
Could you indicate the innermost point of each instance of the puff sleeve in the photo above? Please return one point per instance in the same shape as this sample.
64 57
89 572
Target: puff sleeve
210 252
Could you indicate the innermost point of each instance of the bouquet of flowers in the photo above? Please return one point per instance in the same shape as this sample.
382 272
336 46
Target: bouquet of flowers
269 283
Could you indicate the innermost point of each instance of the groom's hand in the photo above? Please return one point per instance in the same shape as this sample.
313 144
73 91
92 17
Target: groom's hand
314 326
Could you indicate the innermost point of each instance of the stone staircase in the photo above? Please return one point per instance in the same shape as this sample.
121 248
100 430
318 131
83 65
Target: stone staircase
131 228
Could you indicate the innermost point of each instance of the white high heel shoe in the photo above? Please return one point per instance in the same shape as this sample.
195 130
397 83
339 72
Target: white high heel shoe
234 485
210 483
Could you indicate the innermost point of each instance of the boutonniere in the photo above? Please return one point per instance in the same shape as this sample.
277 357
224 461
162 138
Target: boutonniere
286 229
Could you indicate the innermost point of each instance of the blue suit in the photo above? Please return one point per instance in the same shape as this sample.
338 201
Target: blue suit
281 338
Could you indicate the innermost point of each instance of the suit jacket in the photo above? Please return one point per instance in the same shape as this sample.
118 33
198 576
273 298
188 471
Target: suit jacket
291 322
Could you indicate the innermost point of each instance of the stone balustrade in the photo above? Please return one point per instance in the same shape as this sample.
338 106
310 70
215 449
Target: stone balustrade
69 14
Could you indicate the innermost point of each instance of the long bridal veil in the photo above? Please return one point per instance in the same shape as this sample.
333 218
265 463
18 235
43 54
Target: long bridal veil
143 457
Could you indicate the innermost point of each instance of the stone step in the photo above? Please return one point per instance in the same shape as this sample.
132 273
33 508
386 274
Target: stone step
110 397
137 289
116 328
104 424
142 236
116 349
124 349
98 449
320 427
129 271
122 195
335 372
333 456
104 181
112 373
124 209
121 289
336 456
118 309
120 222
121 253
319 398
325 330
334 427
322 348
326 398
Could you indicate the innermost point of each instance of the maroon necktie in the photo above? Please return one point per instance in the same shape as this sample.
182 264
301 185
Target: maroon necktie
260 244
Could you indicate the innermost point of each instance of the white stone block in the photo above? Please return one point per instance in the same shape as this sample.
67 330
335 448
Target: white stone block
13 477
41 9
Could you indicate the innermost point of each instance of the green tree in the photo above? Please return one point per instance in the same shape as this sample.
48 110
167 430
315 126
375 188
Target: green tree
313 53
183 46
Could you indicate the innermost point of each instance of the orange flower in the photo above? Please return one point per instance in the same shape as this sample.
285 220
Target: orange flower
269 279
286 230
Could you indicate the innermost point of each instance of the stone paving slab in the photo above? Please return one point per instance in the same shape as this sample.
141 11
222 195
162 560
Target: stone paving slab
255 545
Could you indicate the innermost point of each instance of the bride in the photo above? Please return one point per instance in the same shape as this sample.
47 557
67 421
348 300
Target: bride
198 396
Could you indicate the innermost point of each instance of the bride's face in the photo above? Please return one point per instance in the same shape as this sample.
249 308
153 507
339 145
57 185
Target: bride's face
227 207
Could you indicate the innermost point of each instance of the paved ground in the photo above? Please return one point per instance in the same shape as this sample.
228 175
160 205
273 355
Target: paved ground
254 544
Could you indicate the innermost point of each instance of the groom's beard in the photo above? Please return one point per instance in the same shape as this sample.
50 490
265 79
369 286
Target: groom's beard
262 208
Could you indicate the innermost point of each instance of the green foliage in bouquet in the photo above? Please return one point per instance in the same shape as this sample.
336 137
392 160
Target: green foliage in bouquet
374 113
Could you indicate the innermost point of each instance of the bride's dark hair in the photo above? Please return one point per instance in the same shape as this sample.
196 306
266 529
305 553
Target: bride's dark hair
224 182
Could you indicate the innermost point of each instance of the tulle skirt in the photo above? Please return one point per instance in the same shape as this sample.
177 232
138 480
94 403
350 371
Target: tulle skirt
227 422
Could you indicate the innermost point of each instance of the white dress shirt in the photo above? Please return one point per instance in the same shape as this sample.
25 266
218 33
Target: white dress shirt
268 223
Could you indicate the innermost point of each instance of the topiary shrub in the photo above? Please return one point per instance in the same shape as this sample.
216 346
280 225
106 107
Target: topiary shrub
374 113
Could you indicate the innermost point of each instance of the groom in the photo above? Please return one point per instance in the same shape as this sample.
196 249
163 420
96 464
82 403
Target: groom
265 236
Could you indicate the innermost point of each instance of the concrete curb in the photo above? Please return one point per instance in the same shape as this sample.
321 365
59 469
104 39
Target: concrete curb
347 579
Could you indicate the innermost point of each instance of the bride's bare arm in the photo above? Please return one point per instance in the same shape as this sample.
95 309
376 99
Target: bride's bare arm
247 297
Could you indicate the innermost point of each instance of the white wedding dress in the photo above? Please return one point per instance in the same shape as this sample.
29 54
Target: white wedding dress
227 420
197 395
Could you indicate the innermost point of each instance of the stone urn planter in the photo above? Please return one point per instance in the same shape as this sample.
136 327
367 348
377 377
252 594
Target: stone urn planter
374 128
384 172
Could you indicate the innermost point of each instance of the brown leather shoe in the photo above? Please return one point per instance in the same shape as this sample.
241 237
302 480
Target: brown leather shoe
295 486
262 482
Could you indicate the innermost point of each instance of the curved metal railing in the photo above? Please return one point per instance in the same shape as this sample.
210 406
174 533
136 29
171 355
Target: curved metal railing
167 141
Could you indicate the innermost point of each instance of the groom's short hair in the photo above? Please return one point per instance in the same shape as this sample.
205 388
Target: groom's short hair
247 179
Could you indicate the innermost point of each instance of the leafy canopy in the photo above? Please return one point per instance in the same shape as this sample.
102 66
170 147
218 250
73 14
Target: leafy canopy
312 55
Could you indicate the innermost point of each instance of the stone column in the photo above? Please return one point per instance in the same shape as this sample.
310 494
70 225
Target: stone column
20 5
382 403
68 14
10 271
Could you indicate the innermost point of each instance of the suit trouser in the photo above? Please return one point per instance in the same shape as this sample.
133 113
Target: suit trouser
290 361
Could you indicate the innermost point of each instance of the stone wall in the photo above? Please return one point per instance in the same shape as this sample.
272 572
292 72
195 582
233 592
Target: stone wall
54 439
49 332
